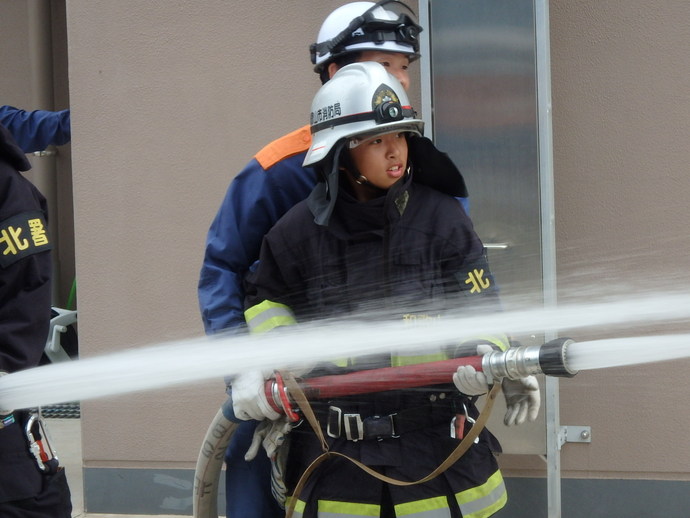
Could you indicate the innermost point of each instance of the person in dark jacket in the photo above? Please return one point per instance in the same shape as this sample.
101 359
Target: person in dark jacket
375 234
28 487
268 186
36 130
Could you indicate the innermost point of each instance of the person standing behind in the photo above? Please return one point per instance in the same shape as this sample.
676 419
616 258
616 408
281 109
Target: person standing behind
275 180
37 129
28 488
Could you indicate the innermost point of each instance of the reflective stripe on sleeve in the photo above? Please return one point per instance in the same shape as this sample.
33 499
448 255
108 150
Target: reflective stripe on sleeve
501 341
268 315
483 501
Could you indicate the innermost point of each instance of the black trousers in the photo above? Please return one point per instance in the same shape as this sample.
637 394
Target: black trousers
25 491
54 501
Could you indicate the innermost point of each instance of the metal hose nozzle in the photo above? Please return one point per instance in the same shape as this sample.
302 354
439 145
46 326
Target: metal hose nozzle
519 362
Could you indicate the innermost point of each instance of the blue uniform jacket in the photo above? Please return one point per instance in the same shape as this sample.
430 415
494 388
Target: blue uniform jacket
38 129
269 185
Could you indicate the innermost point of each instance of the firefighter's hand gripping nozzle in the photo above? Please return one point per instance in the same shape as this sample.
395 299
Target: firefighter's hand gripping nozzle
515 363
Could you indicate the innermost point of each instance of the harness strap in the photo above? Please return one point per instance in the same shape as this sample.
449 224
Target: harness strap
302 402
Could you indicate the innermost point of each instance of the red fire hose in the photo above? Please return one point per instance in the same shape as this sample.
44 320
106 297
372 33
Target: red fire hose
550 358
366 381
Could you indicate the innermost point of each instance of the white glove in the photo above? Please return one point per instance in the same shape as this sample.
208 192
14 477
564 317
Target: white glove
249 399
278 464
470 382
522 399
270 434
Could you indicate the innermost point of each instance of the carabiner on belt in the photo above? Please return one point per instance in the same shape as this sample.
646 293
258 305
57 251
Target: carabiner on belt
39 445
458 424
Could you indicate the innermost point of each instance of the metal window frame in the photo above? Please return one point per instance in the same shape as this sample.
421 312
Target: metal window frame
554 431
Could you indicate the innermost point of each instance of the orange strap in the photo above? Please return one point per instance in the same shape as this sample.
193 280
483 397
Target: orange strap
293 143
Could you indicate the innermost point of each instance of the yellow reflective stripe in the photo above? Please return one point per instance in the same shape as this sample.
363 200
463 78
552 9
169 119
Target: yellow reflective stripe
334 509
501 341
268 315
483 501
436 507
341 362
298 510
399 361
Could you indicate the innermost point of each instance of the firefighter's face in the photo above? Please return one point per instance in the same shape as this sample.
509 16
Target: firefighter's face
395 63
381 159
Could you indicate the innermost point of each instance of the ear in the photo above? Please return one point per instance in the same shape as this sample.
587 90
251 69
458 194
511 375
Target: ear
332 69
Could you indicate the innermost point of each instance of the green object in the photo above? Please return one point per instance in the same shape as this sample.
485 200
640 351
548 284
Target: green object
72 295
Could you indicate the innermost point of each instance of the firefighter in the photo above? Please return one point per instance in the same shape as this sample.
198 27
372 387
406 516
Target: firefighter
372 236
30 486
269 185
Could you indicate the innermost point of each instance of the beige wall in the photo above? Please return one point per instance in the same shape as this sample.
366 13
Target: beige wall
621 112
170 98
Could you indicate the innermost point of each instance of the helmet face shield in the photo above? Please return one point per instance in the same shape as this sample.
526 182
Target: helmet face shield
388 25
362 99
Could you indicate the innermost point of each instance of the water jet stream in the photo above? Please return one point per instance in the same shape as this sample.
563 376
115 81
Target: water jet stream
186 361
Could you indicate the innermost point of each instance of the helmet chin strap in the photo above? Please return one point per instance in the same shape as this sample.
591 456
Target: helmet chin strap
362 180
359 178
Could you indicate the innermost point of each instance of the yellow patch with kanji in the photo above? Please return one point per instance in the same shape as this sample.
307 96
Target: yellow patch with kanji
22 235
476 278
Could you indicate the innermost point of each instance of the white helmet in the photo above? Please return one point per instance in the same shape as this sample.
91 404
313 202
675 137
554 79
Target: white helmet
359 26
361 100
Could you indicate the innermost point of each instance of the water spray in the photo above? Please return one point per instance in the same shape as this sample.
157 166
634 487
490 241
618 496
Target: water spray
196 359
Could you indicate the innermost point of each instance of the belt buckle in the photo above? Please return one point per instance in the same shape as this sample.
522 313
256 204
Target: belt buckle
337 418
382 427
348 421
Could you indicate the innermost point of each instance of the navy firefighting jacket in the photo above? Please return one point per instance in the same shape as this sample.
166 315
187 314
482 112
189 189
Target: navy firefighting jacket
413 251
415 244
25 272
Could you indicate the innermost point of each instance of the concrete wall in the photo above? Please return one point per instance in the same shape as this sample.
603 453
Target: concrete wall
170 98
621 95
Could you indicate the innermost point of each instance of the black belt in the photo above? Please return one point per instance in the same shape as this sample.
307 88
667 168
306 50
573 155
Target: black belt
7 420
354 427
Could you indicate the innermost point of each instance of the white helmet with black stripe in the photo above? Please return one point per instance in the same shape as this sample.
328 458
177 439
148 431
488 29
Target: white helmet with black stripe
361 100
387 25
